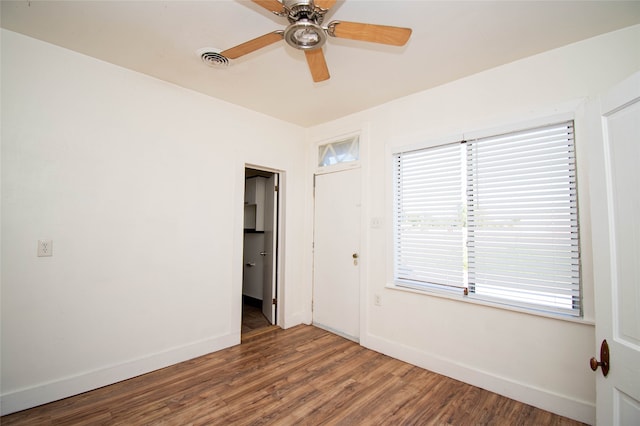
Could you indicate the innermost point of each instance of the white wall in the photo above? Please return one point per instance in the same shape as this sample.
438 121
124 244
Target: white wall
538 360
140 185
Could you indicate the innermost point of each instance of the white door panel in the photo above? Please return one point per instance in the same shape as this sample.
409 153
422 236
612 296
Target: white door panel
616 253
336 283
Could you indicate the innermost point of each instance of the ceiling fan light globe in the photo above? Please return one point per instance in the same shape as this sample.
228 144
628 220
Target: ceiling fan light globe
305 35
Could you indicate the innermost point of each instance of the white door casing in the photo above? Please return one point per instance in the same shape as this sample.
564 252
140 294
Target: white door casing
615 182
336 266
270 248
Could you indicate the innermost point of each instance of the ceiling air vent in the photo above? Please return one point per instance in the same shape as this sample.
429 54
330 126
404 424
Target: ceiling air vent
212 57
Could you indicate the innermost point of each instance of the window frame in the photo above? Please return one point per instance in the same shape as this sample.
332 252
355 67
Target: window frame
574 112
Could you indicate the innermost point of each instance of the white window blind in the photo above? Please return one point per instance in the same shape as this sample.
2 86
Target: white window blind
429 217
523 219
495 218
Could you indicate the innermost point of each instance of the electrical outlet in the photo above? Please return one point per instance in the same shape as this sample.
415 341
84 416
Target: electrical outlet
376 222
45 248
377 299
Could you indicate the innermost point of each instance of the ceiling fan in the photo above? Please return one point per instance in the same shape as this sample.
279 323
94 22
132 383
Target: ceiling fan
306 33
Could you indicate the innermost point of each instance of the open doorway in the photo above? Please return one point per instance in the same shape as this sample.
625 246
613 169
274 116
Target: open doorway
260 250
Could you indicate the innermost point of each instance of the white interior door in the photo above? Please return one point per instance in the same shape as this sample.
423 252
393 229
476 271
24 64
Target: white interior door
615 181
270 248
336 270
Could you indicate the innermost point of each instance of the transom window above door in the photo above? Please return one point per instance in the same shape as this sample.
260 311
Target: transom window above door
338 152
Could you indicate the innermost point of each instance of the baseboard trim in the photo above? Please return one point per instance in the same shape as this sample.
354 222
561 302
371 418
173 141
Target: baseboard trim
563 405
338 332
295 319
69 386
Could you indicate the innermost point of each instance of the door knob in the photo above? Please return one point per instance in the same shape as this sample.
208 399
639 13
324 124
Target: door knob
604 359
263 253
354 255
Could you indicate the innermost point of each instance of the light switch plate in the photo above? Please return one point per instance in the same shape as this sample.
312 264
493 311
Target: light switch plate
45 248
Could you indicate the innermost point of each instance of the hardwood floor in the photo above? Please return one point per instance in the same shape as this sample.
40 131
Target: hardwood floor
252 317
299 376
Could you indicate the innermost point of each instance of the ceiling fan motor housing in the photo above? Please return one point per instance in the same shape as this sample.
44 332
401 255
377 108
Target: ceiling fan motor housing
304 31
297 10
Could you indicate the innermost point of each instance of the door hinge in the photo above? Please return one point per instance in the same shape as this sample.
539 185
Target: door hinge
275 301
275 188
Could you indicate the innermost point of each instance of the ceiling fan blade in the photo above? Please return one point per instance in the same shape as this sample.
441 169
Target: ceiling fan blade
395 36
325 4
317 65
252 45
270 5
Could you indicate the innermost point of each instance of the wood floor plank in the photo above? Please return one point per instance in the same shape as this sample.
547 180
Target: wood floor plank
300 376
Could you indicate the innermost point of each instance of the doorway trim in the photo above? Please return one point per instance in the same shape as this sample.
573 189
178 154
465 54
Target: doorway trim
279 260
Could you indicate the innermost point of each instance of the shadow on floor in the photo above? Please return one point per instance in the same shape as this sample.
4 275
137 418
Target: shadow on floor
252 316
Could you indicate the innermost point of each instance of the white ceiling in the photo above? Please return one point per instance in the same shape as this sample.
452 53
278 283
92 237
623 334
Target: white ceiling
450 40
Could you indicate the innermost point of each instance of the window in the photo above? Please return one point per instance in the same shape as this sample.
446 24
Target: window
344 151
429 215
493 218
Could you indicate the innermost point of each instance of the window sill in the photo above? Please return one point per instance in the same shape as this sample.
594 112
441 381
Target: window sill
464 299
